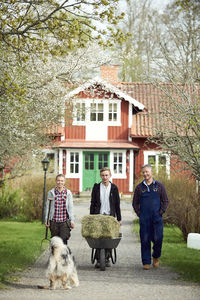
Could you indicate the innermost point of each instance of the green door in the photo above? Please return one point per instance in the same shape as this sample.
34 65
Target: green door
93 162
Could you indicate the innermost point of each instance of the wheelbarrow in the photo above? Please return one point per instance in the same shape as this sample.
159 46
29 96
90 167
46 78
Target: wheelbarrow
102 248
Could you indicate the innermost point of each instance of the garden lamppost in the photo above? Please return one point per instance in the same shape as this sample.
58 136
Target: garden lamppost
45 165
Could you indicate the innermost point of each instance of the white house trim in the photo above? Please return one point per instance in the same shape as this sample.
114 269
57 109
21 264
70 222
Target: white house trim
131 170
60 166
107 87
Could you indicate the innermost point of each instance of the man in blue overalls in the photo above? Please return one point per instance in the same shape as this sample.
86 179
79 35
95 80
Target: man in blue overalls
150 202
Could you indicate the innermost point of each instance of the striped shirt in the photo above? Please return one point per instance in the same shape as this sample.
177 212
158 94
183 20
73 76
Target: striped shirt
60 213
143 187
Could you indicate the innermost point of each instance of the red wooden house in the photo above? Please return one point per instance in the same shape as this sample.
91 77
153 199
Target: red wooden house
109 127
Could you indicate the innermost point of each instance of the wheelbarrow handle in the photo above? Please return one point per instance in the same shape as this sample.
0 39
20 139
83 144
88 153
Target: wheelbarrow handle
46 233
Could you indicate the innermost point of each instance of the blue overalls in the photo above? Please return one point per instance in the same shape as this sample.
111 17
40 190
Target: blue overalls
151 225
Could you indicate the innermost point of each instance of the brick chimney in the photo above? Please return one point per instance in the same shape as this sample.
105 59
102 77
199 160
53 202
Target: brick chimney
109 73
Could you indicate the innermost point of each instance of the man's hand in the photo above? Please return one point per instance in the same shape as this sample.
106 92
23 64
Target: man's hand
72 225
47 224
120 223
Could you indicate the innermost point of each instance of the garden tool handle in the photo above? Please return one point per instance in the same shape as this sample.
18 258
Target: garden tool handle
47 227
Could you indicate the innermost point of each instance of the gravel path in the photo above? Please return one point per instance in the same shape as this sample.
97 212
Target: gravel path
125 280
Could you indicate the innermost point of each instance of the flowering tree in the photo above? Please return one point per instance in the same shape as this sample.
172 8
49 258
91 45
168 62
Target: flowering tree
41 44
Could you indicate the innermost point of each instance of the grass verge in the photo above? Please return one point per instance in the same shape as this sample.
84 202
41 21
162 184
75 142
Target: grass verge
183 260
20 245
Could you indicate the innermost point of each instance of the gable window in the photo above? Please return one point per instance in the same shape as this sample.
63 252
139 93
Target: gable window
79 112
112 116
96 112
74 162
160 161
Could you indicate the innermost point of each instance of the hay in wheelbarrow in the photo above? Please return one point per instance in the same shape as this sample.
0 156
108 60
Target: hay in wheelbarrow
100 226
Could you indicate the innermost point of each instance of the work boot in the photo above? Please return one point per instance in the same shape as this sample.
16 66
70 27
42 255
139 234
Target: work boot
156 262
146 267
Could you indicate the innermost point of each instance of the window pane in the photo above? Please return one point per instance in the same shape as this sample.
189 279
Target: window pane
115 168
115 157
162 160
120 168
93 117
100 157
92 165
110 117
105 157
152 159
76 168
100 107
115 107
110 107
71 157
71 168
77 157
114 117
100 165
86 165
120 157
100 116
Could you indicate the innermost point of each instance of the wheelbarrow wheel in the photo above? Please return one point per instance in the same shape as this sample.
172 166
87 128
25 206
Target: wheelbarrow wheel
102 260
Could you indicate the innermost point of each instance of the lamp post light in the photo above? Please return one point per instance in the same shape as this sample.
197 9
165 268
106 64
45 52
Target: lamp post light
45 165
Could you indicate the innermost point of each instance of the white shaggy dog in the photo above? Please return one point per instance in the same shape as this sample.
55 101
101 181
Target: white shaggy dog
61 268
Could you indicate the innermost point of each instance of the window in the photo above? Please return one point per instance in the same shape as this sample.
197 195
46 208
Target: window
103 161
96 112
117 166
89 161
160 161
112 116
74 162
79 112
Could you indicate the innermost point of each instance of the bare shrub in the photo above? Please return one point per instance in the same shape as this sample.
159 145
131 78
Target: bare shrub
184 207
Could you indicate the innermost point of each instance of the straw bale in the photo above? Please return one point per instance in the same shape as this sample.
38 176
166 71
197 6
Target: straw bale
99 226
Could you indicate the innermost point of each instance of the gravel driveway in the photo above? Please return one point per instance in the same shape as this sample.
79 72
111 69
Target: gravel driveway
125 280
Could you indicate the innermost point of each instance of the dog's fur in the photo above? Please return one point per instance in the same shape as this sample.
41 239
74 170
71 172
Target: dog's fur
61 268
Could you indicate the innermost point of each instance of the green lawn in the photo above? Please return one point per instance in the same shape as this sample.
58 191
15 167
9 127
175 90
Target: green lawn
175 253
20 245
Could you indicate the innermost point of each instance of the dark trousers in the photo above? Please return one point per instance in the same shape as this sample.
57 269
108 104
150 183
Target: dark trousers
60 229
151 231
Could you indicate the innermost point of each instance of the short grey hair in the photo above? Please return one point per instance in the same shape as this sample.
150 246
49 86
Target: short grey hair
147 166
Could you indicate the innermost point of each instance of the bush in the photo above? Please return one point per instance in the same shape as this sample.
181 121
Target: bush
9 201
22 199
184 203
33 196
184 207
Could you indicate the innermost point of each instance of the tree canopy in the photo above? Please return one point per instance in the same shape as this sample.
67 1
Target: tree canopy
39 42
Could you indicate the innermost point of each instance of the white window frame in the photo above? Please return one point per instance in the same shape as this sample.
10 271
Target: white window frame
157 154
97 111
118 121
68 173
118 175
75 121
105 102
